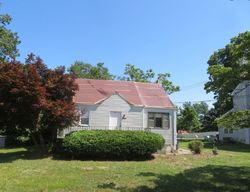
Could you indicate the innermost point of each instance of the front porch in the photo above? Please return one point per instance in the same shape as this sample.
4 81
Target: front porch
63 132
165 133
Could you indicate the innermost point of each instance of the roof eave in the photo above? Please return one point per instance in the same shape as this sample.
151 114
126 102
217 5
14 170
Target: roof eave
115 93
160 107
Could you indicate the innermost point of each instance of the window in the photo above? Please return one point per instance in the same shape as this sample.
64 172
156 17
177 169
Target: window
151 120
158 120
228 131
84 117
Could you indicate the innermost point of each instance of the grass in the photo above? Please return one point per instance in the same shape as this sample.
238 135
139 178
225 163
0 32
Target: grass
23 170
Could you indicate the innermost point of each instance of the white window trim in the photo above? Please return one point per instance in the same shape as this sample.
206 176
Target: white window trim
85 125
162 128
229 131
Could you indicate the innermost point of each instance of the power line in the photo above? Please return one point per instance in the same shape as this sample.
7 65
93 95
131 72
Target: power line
205 101
194 85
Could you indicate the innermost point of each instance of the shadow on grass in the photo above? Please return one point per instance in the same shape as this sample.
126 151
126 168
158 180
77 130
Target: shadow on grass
95 158
28 154
31 153
203 179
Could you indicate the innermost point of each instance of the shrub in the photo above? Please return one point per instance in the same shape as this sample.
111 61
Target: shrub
111 144
215 150
195 146
18 140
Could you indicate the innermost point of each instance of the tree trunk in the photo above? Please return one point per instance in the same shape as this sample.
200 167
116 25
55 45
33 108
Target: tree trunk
53 138
39 133
42 143
33 136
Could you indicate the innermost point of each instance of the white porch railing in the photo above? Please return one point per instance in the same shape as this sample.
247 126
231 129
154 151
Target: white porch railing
63 132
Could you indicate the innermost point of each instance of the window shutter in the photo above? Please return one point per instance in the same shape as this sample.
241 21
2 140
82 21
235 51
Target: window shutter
165 120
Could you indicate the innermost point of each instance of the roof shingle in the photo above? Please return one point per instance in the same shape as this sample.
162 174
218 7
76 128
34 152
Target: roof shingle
136 93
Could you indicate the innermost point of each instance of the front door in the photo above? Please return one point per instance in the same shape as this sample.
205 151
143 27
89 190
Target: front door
114 120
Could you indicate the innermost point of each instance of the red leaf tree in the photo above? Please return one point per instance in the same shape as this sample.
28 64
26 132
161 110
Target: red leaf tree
36 99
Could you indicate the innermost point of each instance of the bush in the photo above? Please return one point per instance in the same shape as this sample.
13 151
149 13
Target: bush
195 146
16 137
111 144
18 141
215 150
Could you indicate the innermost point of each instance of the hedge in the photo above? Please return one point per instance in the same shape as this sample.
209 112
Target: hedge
111 144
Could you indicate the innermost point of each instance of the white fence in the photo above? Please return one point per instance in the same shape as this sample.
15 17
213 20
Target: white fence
200 135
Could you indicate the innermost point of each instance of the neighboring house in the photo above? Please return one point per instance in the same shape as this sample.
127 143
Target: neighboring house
241 101
125 105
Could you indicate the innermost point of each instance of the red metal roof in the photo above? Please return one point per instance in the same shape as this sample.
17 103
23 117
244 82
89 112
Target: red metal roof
136 93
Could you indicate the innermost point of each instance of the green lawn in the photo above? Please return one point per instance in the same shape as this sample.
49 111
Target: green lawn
22 170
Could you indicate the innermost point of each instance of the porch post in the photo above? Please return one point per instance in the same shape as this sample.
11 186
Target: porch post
174 130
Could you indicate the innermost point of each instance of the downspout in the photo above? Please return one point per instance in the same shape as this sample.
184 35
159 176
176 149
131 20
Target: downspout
143 117
248 95
174 142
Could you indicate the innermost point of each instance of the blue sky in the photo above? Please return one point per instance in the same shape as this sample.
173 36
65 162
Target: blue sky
175 36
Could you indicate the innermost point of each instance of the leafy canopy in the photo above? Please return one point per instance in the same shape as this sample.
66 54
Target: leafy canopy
227 68
35 98
88 71
8 40
201 108
133 73
197 117
234 120
208 120
188 118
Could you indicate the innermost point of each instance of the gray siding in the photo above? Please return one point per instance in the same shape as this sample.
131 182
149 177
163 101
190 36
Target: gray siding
168 134
241 97
241 101
99 115
135 117
242 135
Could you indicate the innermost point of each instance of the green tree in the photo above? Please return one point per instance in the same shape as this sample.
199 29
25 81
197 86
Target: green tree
208 120
88 71
188 118
201 108
234 120
133 73
206 116
8 40
167 85
227 68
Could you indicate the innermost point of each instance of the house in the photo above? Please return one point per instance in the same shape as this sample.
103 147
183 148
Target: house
241 101
125 105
